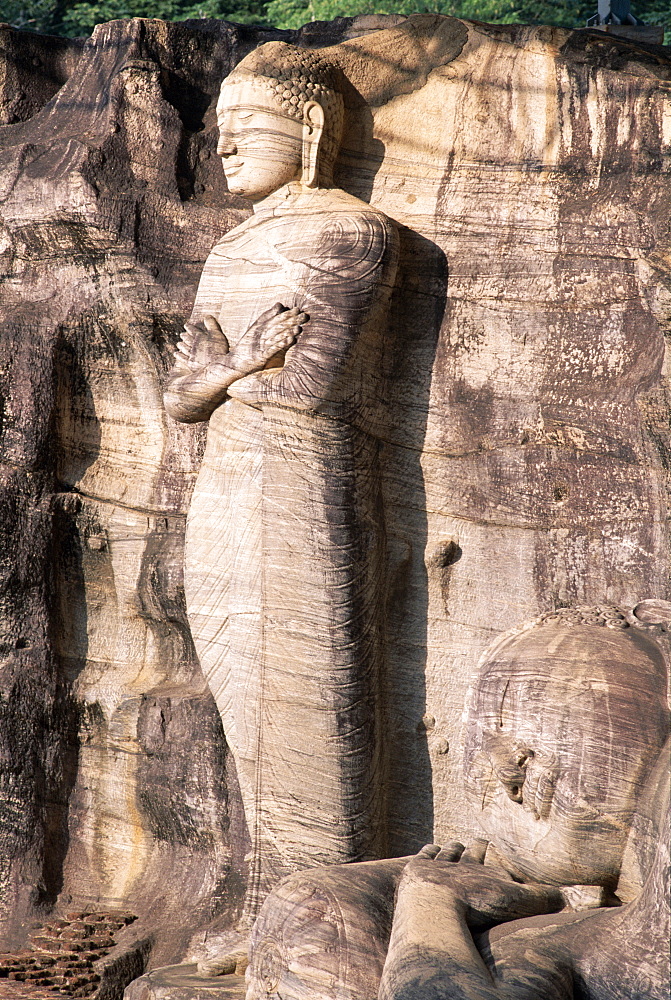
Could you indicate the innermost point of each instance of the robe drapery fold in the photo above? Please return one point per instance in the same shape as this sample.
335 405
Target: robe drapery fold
285 536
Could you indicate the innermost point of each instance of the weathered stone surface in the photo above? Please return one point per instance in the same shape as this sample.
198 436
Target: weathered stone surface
34 67
567 766
115 769
576 395
522 462
283 544
182 982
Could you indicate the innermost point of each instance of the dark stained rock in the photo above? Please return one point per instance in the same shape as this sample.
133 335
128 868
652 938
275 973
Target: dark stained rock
111 198
528 452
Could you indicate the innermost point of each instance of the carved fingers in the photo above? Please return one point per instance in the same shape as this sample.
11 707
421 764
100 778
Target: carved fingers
182 353
281 331
452 852
264 343
267 338
201 344
217 336
429 851
439 864
476 851
484 895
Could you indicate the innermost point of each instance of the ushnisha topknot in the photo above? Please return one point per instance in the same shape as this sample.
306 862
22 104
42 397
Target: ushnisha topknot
292 77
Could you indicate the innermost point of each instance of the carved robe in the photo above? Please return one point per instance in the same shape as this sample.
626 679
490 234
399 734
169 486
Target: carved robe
284 537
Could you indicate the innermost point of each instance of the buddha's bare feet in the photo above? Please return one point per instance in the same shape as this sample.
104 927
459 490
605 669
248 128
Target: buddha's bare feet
225 964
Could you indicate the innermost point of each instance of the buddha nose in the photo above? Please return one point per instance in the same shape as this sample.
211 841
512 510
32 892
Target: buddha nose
226 146
509 765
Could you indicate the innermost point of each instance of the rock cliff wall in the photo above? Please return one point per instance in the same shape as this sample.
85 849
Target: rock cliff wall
114 783
525 466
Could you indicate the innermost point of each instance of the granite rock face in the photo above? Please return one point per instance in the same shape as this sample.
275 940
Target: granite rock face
567 771
523 464
115 791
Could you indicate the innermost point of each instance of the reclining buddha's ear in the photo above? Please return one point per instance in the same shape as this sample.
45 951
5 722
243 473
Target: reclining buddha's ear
313 129
654 612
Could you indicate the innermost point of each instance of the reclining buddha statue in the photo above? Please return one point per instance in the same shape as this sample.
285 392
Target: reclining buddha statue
567 895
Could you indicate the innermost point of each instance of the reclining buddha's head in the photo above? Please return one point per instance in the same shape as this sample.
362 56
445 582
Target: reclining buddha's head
280 116
565 723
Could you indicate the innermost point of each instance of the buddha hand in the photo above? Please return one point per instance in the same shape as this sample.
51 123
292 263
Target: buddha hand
272 333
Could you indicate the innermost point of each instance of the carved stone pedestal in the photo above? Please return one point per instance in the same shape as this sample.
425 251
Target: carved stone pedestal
181 982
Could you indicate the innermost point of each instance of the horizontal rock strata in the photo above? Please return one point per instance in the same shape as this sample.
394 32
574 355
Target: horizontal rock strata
526 446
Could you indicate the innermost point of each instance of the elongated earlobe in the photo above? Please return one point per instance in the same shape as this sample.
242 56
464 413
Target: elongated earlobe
313 129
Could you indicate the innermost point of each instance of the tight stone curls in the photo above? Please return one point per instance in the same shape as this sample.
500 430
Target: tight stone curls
651 616
292 77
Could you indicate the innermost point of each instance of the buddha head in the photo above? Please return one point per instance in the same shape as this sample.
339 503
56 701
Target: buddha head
280 116
566 721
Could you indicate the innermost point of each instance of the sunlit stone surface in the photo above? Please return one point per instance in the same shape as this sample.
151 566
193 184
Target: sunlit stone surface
508 442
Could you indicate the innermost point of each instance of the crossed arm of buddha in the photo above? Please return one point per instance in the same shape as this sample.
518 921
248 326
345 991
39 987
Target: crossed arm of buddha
206 366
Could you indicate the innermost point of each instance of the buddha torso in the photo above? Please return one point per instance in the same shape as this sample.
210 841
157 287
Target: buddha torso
334 257
324 251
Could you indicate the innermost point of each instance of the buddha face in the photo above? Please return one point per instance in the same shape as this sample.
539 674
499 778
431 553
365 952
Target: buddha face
563 728
260 147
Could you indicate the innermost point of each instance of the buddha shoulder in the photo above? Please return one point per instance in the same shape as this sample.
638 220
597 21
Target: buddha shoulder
324 228
351 212
336 230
